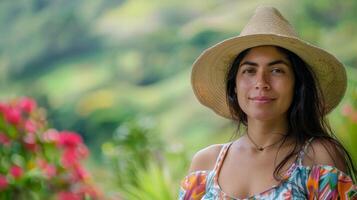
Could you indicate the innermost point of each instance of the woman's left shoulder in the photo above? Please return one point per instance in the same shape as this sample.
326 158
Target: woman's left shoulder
327 171
324 152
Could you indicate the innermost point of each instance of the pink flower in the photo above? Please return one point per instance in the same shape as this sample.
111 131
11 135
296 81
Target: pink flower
30 126
68 196
79 173
41 162
27 104
12 115
4 139
69 139
91 191
50 170
82 151
51 135
3 107
347 110
30 142
16 171
69 158
3 182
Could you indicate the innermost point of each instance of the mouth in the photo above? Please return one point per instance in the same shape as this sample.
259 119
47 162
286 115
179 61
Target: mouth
262 99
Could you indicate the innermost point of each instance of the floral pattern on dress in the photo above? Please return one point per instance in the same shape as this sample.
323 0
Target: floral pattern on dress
319 182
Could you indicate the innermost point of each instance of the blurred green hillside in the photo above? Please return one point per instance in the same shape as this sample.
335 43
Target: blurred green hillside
97 64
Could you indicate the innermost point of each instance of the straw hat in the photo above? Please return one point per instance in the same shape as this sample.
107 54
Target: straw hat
266 27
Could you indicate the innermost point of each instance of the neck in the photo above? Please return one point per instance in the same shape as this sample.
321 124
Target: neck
267 132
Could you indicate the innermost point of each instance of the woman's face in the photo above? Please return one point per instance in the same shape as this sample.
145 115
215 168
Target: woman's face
265 83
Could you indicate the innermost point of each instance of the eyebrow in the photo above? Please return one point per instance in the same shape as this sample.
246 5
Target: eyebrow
269 64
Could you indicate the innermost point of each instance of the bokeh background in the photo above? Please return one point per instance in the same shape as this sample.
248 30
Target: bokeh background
118 73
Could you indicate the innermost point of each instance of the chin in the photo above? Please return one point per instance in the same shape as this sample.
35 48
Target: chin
264 116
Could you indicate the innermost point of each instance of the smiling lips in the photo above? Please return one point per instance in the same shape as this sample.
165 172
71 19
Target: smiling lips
262 99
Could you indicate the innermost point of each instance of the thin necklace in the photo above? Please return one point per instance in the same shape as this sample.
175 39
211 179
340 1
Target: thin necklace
262 148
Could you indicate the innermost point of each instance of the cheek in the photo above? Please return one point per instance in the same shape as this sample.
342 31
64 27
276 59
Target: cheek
244 84
287 89
242 88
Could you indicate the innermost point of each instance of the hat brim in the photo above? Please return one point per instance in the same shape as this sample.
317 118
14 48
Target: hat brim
208 77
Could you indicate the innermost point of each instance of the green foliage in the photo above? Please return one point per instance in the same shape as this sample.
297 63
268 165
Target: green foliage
135 144
152 184
138 160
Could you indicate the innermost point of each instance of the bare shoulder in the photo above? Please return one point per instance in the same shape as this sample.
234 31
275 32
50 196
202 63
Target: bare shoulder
324 152
205 159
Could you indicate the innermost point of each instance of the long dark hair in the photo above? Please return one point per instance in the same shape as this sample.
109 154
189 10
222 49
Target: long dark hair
306 114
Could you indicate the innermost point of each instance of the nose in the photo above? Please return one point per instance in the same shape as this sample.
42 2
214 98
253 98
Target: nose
261 82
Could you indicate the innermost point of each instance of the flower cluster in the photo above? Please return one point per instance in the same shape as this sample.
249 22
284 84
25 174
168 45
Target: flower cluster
38 162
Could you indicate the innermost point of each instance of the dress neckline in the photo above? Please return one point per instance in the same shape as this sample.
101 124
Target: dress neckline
222 155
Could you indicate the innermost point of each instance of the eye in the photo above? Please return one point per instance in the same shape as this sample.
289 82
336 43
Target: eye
248 71
277 71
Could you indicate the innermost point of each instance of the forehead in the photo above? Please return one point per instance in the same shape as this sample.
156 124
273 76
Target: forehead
271 52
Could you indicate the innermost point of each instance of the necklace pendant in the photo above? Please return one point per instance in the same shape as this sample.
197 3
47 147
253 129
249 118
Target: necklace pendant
260 148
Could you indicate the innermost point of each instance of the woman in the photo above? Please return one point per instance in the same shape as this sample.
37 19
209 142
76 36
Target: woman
278 89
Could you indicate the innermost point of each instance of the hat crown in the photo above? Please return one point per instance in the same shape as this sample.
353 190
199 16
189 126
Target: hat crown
268 20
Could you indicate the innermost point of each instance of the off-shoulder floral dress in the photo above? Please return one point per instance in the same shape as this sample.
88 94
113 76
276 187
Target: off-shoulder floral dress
319 182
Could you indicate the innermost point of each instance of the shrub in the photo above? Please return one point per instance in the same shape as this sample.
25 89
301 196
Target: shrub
37 162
